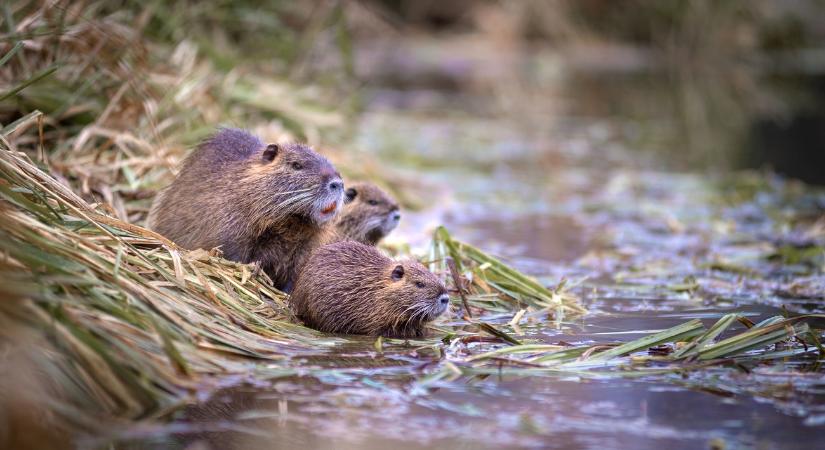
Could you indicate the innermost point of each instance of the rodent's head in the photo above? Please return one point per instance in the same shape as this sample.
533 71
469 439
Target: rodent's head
369 214
412 295
300 182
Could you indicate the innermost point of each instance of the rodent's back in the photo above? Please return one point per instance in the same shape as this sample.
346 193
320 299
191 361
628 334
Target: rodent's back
349 287
200 199
228 146
333 287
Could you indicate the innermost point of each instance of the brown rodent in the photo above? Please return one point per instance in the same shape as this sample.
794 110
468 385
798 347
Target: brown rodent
269 204
349 287
368 215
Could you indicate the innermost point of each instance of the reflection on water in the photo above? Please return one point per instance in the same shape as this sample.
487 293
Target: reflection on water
551 173
794 144
557 239
715 122
491 413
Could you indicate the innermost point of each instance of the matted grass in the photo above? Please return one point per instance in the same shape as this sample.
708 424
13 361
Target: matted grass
137 320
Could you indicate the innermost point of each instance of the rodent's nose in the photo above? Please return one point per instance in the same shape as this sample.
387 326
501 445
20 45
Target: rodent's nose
396 216
444 299
336 185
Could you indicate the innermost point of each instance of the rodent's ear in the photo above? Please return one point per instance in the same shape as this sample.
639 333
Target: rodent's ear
349 195
270 152
398 272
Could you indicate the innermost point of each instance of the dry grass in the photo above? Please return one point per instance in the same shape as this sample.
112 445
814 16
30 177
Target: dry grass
139 320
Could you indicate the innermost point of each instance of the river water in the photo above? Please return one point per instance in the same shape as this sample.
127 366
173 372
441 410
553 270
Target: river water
563 176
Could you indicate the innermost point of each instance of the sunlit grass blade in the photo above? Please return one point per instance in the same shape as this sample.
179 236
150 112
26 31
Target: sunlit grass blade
523 348
713 332
9 54
28 82
681 332
756 337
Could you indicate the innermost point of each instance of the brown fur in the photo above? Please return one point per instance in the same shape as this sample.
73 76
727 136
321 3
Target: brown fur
369 214
258 203
349 287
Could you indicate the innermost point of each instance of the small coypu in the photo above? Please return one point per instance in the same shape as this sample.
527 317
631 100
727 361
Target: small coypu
368 215
270 204
349 287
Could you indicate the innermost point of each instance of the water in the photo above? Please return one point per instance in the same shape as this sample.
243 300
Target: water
543 413
562 183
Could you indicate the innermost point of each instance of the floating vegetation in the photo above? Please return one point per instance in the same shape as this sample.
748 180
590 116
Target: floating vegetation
688 346
488 284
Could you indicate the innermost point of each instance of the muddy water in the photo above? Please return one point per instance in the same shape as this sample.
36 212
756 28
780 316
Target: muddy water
555 186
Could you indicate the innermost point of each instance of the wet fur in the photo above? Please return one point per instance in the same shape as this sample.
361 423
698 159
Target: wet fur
363 222
227 195
347 287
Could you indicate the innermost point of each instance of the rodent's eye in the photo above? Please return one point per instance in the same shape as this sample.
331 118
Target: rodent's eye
349 195
420 284
373 202
297 166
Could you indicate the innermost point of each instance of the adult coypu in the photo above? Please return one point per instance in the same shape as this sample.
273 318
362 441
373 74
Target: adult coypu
349 287
269 204
368 215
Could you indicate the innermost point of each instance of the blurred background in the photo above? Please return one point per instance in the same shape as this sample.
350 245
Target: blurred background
688 85
685 85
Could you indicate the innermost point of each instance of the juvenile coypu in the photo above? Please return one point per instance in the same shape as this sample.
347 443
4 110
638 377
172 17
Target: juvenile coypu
260 203
368 215
349 287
